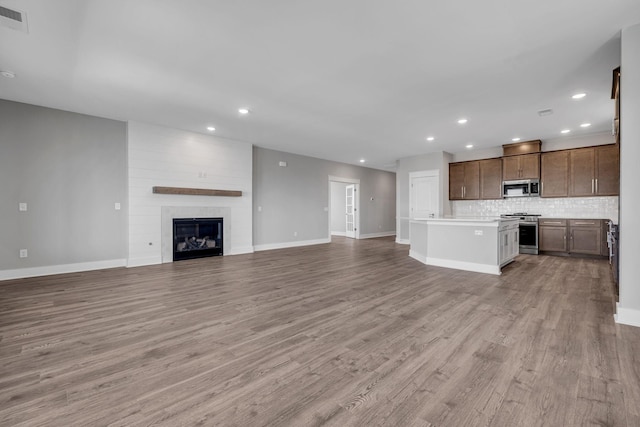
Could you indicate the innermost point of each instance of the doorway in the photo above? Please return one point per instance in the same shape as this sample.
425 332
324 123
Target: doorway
344 207
424 190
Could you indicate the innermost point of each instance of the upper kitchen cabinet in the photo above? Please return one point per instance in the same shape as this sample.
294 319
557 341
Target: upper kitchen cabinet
554 174
525 166
464 180
594 171
491 179
521 160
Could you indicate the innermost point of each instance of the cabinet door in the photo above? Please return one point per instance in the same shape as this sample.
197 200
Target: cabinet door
607 170
471 180
491 179
582 173
555 174
456 181
530 166
511 168
552 239
585 240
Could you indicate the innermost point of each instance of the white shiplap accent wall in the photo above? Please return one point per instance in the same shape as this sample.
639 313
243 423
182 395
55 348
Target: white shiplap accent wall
160 156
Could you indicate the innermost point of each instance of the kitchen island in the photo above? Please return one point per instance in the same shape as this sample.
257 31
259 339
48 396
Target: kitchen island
483 244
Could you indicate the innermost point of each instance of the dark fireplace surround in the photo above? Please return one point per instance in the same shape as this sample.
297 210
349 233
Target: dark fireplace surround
197 238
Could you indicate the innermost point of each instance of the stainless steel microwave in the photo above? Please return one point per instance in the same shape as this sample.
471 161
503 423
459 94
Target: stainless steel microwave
521 188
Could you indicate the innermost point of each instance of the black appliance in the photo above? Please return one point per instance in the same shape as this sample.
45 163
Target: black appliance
528 231
613 235
521 188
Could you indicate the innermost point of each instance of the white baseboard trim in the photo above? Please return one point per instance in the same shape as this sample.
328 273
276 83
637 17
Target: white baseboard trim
627 316
418 257
140 262
338 233
375 235
270 246
462 265
403 241
22 273
241 250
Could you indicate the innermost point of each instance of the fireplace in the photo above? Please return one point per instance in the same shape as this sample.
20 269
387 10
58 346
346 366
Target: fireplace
197 238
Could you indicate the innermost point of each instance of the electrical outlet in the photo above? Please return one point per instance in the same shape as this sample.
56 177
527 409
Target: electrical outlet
23 253
479 233
295 234
259 208
118 206
22 207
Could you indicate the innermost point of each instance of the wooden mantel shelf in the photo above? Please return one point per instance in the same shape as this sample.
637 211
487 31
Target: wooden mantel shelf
196 191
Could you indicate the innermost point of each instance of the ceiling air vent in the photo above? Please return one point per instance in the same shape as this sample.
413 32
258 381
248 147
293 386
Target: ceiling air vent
14 19
546 112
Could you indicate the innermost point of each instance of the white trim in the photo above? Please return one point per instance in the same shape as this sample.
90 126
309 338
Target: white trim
241 251
627 316
461 265
417 256
149 260
403 241
375 235
341 179
21 273
270 246
338 233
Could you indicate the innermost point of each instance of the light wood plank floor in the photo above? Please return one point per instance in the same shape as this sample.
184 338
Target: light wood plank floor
348 333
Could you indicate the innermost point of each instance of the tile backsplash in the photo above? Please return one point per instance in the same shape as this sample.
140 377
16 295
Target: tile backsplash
569 207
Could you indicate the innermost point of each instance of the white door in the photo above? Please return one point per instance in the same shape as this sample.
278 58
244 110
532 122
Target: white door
424 200
350 210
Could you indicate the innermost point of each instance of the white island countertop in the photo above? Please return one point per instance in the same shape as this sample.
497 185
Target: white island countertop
482 244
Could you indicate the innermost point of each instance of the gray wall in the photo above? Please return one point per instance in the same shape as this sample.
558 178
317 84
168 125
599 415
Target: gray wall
432 161
338 207
630 173
294 198
70 169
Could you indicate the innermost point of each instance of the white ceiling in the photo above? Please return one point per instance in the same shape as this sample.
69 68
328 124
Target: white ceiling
334 79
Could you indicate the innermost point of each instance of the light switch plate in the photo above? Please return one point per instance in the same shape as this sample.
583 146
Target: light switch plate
117 206
23 253
22 207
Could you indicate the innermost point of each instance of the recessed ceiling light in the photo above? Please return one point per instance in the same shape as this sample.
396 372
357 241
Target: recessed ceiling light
430 138
579 95
462 121
243 111
585 125
469 146
8 74
515 139
565 131
361 160
210 128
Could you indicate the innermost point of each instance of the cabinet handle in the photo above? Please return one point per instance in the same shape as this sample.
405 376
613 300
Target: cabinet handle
542 187
551 222
592 185
596 185
585 223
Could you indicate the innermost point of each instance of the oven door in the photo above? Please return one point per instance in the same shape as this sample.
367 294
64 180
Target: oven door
529 238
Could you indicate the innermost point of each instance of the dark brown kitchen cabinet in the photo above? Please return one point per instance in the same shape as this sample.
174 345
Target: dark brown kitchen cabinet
526 166
552 235
594 171
464 180
554 174
585 236
572 236
490 179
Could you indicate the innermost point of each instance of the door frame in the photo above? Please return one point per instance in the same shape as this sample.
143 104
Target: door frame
356 200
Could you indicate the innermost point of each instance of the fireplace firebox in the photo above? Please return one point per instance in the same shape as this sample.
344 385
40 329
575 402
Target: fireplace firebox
197 238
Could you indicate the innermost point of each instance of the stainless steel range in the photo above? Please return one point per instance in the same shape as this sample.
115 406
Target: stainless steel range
528 233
